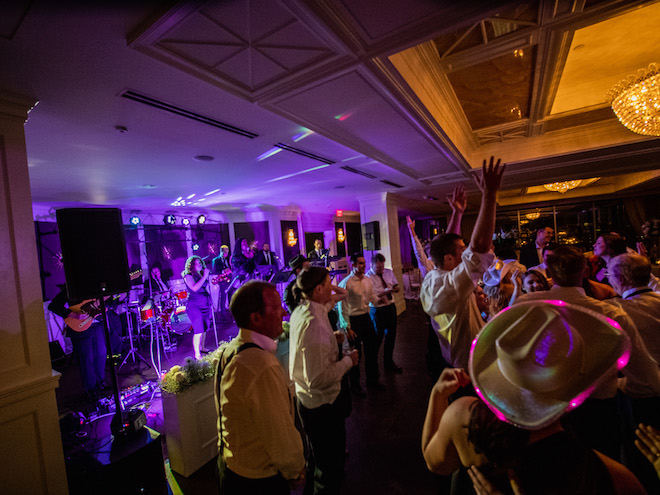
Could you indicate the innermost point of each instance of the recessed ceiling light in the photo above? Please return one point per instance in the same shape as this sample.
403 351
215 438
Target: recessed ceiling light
121 129
340 187
203 158
147 186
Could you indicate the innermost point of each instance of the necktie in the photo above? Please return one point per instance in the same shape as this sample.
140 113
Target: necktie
388 295
268 258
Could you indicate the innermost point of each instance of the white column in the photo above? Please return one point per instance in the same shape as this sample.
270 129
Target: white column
31 457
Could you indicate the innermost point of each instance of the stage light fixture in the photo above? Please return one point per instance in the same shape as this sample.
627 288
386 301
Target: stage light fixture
201 220
169 219
195 247
186 221
135 220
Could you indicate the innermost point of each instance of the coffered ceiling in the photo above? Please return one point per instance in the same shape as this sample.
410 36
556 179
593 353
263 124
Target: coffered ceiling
241 104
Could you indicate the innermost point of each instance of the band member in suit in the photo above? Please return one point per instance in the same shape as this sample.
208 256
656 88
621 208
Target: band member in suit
266 256
318 253
221 262
88 340
155 285
223 275
196 275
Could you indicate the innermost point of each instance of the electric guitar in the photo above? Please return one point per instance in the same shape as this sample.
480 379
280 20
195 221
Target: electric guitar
91 308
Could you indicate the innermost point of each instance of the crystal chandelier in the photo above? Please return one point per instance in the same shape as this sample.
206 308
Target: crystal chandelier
533 216
562 187
636 101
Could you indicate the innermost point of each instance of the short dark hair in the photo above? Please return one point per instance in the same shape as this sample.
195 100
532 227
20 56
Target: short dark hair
355 256
630 270
377 257
248 299
566 266
442 245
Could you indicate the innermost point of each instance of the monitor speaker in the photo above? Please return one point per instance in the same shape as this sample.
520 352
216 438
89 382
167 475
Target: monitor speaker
93 252
371 236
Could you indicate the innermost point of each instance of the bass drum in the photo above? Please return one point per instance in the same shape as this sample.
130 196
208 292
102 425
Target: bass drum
180 322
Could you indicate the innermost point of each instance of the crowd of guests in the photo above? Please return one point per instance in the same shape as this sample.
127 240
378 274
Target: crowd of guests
547 366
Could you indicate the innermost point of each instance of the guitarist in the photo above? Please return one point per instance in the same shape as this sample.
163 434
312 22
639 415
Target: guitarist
85 329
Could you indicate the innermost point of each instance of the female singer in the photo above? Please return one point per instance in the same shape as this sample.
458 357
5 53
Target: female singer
195 275
243 258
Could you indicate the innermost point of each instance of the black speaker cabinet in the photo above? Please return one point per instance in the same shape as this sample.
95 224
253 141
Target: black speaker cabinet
371 236
93 252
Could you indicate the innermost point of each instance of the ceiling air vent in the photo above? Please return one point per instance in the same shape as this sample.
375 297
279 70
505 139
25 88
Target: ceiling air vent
306 154
152 102
393 184
359 172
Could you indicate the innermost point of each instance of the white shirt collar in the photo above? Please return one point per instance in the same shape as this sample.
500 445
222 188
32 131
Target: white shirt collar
266 343
627 292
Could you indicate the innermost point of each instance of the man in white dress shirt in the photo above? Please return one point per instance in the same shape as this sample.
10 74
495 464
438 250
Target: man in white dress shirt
383 313
354 317
317 370
629 275
447 293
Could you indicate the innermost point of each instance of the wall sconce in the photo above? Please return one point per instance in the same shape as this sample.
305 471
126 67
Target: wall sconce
291 238
340 235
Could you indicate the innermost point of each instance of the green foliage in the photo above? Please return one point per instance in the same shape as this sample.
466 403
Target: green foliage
179 378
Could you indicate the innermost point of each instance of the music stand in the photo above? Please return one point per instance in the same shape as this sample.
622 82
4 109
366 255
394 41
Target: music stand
281 276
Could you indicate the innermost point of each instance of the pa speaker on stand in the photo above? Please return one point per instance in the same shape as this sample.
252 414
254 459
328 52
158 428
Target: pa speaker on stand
96 266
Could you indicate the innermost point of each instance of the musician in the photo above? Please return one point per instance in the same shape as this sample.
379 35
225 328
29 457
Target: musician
155 285
318 253
243 258
221 262
89 344
266 256
223 276
195 275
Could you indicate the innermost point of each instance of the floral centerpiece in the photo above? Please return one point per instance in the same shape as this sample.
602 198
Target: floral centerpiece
181 377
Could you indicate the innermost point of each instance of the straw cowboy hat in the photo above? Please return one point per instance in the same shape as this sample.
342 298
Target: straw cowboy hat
536 360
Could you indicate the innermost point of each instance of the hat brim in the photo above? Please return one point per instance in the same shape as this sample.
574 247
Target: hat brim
605 344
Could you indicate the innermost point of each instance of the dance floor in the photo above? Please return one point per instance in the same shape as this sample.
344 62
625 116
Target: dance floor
383 430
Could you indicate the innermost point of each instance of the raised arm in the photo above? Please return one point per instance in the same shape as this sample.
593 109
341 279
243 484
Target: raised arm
422 260
491 178
457 202
443 423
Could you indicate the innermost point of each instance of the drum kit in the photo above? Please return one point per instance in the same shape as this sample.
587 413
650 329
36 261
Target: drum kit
162 314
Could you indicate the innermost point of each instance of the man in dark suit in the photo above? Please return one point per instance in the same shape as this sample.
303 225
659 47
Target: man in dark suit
532 254
221 268
318 253
266 256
